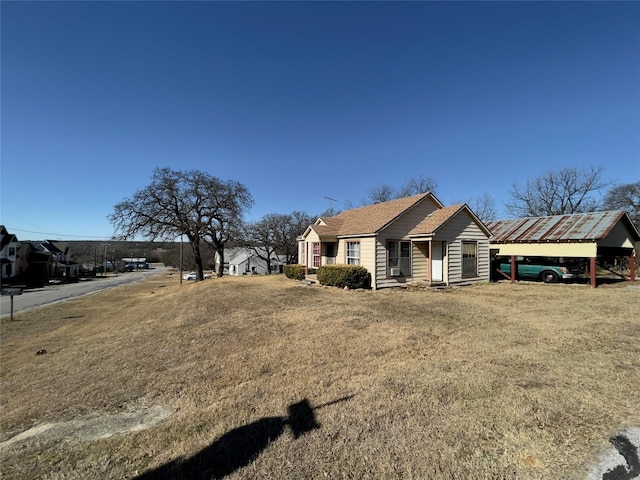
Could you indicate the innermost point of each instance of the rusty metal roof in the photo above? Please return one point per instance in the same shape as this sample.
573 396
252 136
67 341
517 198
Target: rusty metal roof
560 228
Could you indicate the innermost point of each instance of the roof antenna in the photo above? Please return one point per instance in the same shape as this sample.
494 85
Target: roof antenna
330 202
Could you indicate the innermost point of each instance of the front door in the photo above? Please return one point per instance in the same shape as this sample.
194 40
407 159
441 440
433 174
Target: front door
436 261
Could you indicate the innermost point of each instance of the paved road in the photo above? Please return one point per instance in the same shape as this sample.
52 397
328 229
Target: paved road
58 293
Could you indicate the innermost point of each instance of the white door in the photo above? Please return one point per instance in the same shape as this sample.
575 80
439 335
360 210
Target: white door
436 261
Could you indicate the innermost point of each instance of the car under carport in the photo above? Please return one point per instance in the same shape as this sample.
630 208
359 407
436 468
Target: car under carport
594 236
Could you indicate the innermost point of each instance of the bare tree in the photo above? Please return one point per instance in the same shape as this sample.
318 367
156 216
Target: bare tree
420 184
557 192
383 192
624 197
484 207
262 237
379 193
277 234
191 203
297 222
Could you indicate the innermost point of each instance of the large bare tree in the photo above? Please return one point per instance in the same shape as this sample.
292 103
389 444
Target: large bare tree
192 203
557 192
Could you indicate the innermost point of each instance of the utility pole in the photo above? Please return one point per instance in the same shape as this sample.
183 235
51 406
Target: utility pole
180 259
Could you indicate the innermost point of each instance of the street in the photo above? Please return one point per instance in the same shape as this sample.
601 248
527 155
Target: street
38 297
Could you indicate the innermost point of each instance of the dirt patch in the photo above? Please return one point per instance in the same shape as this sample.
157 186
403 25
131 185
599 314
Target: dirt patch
97 428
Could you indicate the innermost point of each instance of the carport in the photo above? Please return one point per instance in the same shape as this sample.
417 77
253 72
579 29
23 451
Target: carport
579 235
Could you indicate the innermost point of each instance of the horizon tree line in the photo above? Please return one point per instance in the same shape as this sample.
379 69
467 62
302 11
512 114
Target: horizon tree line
210 212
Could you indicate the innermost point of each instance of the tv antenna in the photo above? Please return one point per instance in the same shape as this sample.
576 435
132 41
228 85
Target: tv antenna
330 202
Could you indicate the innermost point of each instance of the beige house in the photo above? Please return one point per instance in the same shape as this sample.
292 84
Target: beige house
409 240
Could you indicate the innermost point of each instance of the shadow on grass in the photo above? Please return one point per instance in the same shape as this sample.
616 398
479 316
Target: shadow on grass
240 446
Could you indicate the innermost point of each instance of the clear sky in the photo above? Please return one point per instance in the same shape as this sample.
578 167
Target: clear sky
302 100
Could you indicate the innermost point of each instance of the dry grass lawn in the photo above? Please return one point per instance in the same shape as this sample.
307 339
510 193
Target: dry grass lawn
493 381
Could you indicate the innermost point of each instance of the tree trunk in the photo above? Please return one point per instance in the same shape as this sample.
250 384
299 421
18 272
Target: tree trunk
268 264
220 250
197 256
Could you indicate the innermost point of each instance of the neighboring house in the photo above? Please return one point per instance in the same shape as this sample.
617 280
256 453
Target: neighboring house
409 240
9 246
34 264
62 264
245 261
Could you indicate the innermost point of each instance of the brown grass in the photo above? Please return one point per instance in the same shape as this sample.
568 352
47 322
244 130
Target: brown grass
493 381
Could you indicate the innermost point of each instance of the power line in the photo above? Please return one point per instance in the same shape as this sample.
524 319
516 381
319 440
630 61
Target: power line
57 234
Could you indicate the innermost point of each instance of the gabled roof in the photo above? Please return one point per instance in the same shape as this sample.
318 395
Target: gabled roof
437 219
558 228
369 219
50 246
7 237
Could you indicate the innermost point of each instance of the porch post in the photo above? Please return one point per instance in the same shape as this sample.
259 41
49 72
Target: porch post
632 266
306 258
513 269
429 264
592 271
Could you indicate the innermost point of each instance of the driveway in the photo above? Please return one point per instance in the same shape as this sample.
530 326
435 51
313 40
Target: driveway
39 297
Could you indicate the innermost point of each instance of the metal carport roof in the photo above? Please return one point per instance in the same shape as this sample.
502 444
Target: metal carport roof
560 228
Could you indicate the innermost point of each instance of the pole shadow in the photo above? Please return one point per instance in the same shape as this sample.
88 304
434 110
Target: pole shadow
240 446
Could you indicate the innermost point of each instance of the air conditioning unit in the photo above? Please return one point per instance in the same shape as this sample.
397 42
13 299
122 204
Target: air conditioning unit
394 271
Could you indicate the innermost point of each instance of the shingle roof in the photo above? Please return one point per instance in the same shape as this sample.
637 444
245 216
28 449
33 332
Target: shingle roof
369 219
435 220
50 246
557 228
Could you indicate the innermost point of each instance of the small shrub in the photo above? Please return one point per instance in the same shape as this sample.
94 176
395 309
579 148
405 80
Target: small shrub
295 271
351 276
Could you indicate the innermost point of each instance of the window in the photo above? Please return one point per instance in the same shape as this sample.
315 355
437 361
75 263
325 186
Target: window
12 251
353 253
469 259
330 253
399 256
316 254
303 253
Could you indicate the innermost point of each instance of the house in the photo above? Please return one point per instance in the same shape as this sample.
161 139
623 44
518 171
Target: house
62 264
592 235
9 246
409 240
245 261
34 264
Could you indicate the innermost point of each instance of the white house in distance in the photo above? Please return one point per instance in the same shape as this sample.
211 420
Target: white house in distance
409 240
8 253
245 261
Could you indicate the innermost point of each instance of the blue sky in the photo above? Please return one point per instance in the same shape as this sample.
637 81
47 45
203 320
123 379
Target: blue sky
302 100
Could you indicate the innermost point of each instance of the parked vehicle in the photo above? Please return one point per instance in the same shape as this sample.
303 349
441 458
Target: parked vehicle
193 276
549 270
